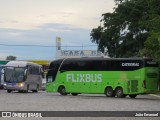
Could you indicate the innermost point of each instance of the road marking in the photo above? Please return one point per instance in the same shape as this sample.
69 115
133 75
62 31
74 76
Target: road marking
154 95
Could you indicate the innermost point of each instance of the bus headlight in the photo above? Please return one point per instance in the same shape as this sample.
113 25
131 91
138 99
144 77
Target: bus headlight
20 84
4 84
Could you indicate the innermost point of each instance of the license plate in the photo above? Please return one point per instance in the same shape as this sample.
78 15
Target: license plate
11 84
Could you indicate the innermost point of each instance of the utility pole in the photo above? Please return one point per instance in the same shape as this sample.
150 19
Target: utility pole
58 47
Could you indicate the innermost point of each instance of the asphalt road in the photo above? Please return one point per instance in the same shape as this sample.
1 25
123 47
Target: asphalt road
43 101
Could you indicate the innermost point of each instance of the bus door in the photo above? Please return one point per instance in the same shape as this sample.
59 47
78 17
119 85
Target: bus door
50 81
152 75
51 76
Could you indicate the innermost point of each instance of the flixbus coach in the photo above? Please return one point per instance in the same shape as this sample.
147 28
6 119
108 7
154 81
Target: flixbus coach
113 77
22 76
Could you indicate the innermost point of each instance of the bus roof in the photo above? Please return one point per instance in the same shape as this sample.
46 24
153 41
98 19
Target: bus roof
20 64
100 58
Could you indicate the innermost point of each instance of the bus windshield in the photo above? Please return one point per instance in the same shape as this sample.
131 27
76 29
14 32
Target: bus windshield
53 69
14 74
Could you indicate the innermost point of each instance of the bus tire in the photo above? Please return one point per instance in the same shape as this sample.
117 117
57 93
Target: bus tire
109 92
74 94
36 90
119 92
20 91
9 91
62 90
133 96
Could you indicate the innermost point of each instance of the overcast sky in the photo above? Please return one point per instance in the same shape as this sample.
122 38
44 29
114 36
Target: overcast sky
39 22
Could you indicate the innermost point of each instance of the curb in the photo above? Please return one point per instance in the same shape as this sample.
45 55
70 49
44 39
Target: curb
155 95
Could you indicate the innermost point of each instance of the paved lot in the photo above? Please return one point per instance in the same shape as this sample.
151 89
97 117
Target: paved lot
43 101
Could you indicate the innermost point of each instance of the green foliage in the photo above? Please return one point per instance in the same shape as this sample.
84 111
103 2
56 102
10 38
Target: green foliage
152 44
11 58
130 29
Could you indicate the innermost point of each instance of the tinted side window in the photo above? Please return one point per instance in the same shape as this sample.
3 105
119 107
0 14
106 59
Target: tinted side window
86 65
68 66
123 65
34 70
95 65
102 65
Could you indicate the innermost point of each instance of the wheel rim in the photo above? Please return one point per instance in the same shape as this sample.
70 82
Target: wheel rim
109 92
119 92
63 90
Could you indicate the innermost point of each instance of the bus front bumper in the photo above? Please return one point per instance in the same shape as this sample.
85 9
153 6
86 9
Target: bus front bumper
13 86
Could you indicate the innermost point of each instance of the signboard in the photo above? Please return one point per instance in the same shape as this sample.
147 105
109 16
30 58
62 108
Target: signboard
74 53
80 53
40 62
58 43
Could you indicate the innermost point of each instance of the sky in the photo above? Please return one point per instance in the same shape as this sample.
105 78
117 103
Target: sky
39 22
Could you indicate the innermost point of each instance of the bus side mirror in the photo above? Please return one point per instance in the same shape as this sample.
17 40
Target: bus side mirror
2 71
25 72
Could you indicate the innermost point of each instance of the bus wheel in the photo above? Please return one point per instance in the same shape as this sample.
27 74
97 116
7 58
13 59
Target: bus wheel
20 91
37 88
132 96
9 91
62 90
74 94
109 92
119 93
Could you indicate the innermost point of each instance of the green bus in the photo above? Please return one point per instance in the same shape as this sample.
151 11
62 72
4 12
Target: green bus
110 76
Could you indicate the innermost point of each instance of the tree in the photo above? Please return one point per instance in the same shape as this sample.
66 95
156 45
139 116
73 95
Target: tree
125 32
11 58
152 44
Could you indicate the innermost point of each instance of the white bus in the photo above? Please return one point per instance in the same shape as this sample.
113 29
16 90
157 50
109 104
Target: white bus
22 76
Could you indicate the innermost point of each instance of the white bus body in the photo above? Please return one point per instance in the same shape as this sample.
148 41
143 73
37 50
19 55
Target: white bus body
22 76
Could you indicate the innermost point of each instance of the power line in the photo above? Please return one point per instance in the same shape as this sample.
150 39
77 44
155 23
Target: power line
44 45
